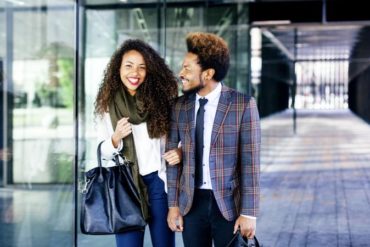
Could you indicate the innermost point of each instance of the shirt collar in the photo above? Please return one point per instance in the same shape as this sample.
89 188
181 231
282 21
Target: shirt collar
213 95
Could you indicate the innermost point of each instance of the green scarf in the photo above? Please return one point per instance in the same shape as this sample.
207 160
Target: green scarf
126 105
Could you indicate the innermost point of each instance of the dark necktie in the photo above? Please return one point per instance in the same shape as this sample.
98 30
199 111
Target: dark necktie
199 133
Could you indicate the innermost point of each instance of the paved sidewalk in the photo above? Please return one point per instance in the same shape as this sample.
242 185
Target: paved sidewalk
315 184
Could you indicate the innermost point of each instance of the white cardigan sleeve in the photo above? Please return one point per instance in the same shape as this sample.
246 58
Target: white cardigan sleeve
104 133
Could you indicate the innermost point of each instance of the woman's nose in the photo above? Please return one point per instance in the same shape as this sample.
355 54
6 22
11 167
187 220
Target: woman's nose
135 70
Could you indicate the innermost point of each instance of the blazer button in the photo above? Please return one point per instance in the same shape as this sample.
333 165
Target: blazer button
192 175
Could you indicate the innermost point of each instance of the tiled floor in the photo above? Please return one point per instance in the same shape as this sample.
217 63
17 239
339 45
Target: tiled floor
315 184
315 190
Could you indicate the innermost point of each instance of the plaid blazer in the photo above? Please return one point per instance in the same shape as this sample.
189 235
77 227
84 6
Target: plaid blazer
234 155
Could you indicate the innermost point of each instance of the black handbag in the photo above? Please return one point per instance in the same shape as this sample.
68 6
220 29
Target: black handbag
239 241
110 202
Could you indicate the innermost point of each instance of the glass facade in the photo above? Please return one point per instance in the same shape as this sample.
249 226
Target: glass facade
52 58
37 55
48 89
162 26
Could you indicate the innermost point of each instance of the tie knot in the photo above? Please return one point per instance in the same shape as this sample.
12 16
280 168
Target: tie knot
202 101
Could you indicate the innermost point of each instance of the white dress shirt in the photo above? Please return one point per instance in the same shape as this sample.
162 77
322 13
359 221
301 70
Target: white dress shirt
209 117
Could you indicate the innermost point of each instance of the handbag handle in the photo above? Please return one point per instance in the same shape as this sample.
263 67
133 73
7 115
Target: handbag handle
254 241
242 241
98 154
126 172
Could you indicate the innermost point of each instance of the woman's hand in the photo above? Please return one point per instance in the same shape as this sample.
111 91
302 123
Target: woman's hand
173 157
122 130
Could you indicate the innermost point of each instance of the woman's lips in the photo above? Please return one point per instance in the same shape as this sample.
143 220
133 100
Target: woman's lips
133 81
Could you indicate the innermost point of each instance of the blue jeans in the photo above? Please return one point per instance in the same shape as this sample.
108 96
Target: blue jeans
160 234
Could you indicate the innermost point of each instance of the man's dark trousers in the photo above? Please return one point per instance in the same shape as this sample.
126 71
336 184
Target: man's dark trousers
205 222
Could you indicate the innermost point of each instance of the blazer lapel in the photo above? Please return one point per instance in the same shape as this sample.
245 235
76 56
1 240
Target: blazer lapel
222 110
190 108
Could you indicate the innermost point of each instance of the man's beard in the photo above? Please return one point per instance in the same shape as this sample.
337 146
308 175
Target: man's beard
194 89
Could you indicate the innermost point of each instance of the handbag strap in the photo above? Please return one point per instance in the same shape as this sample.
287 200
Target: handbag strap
256 243
98 154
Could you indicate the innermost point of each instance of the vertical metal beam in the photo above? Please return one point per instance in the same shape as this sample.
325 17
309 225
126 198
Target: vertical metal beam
162 23
205 16
249 40
3 153
8 93
294 86
249 79
78 103
323 12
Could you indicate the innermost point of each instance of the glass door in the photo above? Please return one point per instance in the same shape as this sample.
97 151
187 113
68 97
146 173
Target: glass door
37 54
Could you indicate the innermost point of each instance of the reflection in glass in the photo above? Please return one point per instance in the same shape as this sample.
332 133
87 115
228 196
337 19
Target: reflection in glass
105 30
36 207
109 23
227 21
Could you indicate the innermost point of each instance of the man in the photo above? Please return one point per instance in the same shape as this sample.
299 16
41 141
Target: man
215 189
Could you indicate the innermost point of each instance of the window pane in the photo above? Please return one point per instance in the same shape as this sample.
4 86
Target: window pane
37 204
180 21
228 21
104 31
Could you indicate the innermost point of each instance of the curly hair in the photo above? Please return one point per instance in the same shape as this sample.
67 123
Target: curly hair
212 52
157 93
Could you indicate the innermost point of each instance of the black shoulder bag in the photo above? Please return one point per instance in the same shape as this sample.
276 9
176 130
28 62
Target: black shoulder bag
110 202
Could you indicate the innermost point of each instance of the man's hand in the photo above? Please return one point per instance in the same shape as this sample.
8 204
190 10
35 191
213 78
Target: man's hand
247 226
174 219
173 156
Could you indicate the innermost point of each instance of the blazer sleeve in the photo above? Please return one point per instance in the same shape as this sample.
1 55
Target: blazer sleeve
173 172
250 145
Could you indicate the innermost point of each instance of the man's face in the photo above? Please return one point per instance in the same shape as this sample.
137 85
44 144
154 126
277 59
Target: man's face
190 74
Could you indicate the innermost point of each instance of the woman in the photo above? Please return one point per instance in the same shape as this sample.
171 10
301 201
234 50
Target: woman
133 107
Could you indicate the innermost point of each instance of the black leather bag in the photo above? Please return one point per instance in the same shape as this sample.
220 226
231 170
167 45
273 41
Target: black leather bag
239 241
110 202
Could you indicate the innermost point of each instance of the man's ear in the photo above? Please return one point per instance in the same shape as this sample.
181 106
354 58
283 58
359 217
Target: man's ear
208 74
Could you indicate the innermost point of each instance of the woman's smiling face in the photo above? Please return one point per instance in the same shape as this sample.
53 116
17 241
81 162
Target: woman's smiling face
133 70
